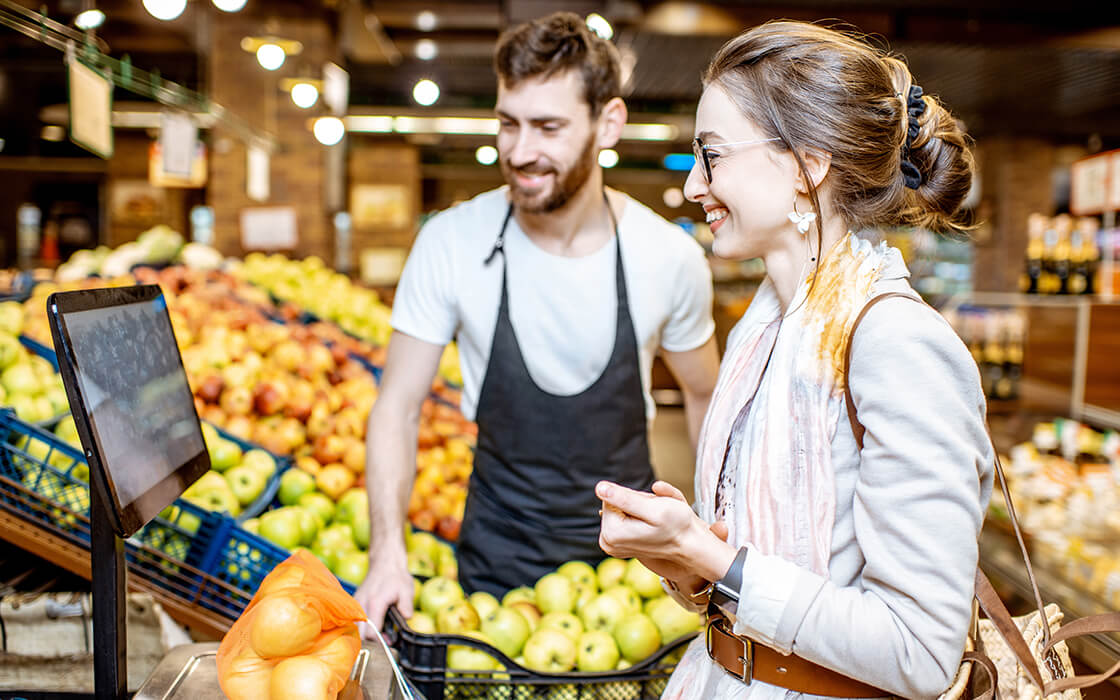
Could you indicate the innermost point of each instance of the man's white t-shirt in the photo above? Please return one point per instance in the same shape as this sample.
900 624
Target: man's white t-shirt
563 309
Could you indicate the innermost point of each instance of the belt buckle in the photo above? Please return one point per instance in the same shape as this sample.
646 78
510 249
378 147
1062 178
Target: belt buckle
746 658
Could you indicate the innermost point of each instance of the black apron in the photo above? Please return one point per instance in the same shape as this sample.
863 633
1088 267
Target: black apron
532 504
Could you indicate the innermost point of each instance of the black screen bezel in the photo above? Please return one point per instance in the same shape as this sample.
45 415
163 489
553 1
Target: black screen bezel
126 519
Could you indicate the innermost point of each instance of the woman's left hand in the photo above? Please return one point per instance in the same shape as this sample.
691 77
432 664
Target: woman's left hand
662 531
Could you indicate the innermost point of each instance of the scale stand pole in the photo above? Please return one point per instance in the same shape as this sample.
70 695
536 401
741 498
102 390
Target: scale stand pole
107 572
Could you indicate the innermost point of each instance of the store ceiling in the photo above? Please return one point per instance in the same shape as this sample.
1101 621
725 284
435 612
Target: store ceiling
1029 68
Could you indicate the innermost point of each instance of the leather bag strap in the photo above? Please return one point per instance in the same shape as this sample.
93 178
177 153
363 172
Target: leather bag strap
981 660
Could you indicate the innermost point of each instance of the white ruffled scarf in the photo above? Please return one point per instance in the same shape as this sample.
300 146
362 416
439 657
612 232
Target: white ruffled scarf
784 499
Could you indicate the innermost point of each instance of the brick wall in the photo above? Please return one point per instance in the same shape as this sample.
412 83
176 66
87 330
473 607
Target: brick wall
297 167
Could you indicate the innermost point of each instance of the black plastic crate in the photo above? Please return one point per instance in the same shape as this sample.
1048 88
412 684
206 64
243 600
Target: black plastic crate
423 659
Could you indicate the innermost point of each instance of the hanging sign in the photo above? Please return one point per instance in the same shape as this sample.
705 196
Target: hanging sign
1114 182
336 89
178 140
257 180
91 107
159 177
1089 184
269 228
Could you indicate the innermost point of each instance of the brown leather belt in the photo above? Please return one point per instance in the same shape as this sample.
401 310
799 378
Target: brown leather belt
747 660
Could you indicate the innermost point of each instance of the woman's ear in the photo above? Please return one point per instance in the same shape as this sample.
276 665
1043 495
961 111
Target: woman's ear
817 164
611 120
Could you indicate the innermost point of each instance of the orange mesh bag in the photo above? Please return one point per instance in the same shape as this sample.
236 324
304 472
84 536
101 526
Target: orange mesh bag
299 613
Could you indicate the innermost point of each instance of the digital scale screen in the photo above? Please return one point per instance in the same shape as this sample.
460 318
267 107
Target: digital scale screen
130 398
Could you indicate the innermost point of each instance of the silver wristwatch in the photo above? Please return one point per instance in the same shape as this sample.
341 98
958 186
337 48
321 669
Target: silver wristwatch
725 592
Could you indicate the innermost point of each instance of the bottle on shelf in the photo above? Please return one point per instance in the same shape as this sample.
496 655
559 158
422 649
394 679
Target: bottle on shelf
1090 256
1048 280
992 357
1032 269
1063 252
1013 357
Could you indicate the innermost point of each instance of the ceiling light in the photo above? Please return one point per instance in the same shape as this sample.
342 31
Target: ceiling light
425 92
650 132
426 21
229 5
487 155
426 50
305 95
329 130
270 56
52 132
608 157
598 24
90 19
165 9
673 197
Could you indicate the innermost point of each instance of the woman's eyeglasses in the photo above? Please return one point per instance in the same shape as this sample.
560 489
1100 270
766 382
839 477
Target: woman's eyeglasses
700 151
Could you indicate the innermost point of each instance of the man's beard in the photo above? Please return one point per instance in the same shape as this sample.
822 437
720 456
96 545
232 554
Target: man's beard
566 187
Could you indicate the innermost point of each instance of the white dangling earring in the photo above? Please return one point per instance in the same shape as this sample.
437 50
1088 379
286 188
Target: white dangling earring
803 221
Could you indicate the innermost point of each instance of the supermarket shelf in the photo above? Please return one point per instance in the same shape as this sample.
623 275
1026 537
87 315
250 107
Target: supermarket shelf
1016 299
1000 559
74 559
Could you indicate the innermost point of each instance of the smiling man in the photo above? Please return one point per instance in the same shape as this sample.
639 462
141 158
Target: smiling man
560 293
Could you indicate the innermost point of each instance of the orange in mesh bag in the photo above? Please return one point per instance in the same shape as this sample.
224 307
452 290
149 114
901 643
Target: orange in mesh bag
297 638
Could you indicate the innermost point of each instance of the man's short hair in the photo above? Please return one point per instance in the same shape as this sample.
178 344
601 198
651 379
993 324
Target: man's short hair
557 43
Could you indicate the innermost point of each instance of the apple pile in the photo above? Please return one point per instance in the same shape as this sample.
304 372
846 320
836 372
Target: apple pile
335 532
28 383
235 479
575 618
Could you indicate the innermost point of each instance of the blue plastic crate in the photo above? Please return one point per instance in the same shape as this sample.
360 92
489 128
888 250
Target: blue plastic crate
261 503
44 480
41 350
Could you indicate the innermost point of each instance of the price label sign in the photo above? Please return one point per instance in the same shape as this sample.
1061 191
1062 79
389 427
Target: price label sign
91 108
1095 184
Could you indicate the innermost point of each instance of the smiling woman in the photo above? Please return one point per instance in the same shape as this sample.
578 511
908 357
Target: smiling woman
805 134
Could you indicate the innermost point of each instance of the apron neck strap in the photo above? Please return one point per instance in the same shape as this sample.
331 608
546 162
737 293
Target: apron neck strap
499 243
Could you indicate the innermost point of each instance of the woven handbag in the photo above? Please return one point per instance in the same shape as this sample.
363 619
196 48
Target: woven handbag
1023 658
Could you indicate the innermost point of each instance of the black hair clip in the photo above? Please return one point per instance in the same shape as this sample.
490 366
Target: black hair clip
915 107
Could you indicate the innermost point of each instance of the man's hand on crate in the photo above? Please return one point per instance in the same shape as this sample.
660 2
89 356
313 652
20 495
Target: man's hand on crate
388 583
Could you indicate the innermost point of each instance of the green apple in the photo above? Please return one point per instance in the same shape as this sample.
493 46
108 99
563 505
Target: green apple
672 621
352 504
309 525
56 397
550 651
529 611
580 572
333 541
245 483
631 603
637 637
260 461
20 379
420 564
603 612
80 472
43 369
564 621
643 581
456 617
360 525
437 593
67 431
318 502
508 628
517 594
610 572
584 594
184 520
467 659
282 527
210 435
252 525
9 350
352 567
422 622
212 492
424 542
554 592
484 603
224 454
294 485
597 651
446 565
